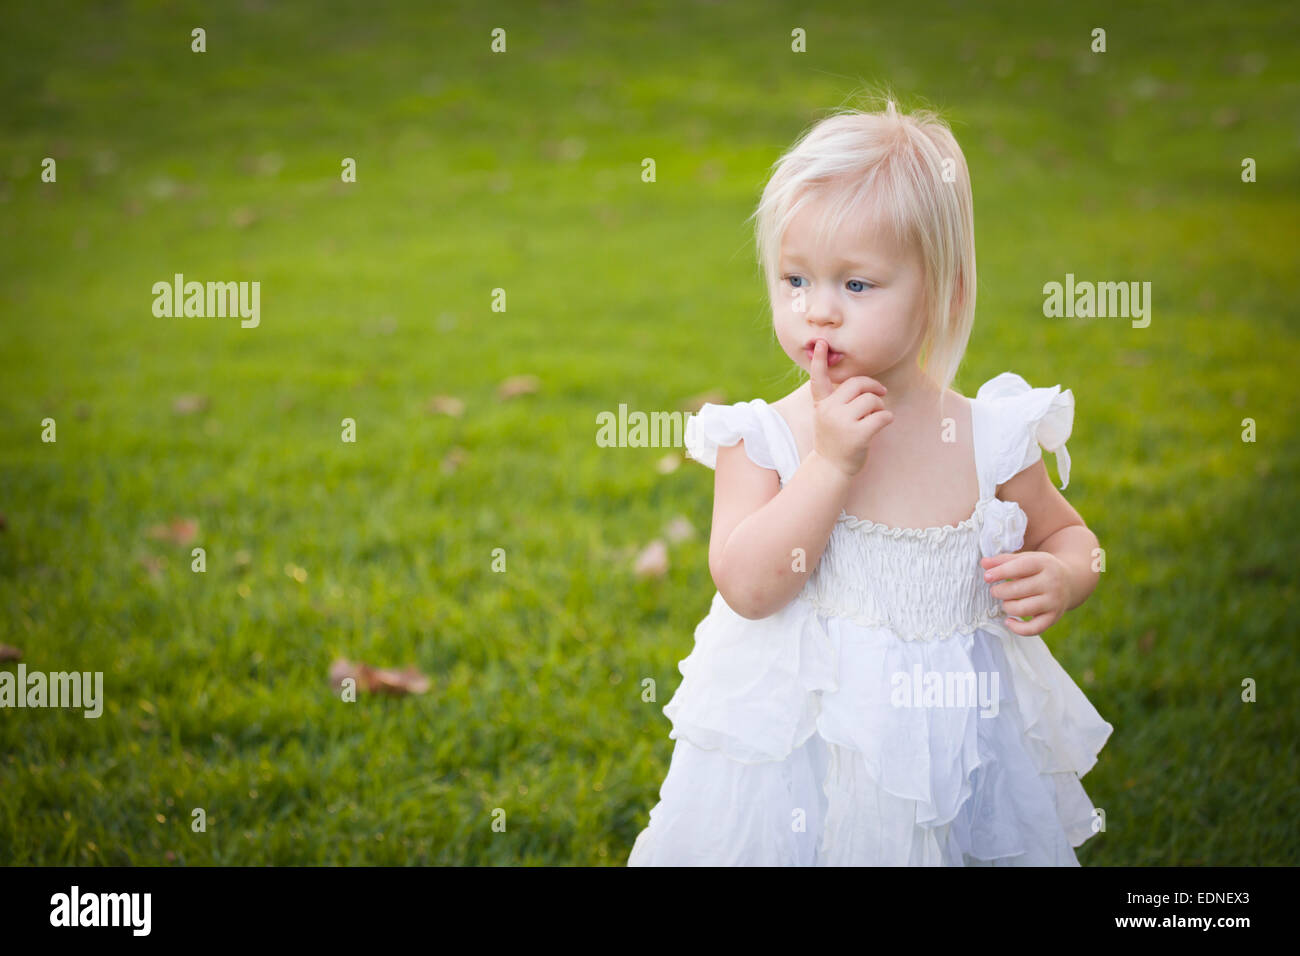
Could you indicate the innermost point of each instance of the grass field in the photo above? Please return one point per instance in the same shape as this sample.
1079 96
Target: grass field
522 171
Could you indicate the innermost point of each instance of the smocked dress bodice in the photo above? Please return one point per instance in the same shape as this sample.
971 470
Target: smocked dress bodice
917 583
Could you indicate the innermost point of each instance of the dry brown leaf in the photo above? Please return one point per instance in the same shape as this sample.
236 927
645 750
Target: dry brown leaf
652 562
709 171
1227 116
340 669
609 216
377 680
518 385
454 459
267 164
189 404
180 532
9 653
446 405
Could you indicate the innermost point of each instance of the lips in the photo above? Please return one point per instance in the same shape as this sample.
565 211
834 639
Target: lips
832 356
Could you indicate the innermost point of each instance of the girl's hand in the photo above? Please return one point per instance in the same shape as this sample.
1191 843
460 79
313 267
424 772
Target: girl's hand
848 416
1039 589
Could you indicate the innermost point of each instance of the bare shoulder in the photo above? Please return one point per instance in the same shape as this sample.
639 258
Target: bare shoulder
796 405
796 408
955 399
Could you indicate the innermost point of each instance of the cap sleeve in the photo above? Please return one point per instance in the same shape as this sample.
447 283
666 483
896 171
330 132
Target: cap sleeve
1027 418
717 425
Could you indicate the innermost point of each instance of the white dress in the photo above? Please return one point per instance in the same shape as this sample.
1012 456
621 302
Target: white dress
809 737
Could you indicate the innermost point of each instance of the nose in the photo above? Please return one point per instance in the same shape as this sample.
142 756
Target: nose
822 309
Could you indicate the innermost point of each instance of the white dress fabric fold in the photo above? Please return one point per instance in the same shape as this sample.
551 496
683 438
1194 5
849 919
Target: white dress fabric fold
885 716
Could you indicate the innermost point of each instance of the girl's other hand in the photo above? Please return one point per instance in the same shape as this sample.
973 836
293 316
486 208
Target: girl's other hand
1032 584
847 416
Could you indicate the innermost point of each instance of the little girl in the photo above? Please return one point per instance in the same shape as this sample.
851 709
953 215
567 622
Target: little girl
869 686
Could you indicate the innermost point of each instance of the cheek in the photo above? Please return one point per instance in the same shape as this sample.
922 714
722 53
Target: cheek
896 317
787 328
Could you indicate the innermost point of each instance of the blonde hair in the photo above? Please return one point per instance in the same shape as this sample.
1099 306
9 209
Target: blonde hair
887 167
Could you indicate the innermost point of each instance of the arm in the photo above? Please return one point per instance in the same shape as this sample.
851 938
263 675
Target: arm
757 525
1056 532
1055 527
1074 545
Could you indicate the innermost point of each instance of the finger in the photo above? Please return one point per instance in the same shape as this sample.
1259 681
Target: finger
874 422
864 405
1034 626
1018 565
1002 557
1015 625
1027 606
851 388
821 382
1018 588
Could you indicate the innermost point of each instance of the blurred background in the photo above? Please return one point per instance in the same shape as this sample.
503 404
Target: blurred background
475 427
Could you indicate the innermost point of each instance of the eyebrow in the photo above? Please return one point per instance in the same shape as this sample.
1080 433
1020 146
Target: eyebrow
794 257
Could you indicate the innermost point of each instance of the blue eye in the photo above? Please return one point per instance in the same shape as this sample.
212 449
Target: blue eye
861 283
792 278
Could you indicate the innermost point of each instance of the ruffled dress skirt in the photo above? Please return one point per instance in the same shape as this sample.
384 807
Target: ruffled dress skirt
804 752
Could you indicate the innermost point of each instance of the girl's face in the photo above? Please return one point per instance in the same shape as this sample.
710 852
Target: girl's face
863 294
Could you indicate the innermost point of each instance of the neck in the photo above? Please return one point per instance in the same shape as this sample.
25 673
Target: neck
909 392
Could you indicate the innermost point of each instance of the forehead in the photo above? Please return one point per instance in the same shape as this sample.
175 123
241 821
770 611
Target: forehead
859 240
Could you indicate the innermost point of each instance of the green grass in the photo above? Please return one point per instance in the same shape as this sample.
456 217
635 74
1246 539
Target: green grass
522 172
